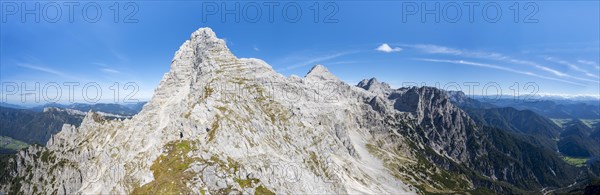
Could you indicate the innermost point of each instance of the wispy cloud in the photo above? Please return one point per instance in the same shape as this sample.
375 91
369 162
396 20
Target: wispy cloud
584 49
108 70
571 66
256 48
43 69
387 49
315 60
341 62
590 63
119 55
28 94
100 64
498 67
437 49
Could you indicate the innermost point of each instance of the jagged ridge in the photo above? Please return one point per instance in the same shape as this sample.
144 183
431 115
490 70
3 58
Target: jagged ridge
248 129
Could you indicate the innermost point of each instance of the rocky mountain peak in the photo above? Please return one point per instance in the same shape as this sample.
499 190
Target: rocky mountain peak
373 85
197 59
202 46
457 96
365 83
205 34
320 72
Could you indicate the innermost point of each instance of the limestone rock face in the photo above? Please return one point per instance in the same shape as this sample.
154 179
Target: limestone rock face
221 124
245 128
375 86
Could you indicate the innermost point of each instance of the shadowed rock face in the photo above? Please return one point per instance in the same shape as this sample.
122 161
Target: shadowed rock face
443 125
243 125
435 122
34 127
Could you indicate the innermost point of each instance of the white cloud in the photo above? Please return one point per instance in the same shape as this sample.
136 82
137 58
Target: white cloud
387 49
256 48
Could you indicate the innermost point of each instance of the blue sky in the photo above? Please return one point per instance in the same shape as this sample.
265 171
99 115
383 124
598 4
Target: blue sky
547 48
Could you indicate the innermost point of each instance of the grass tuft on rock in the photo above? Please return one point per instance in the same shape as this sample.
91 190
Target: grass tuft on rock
262 190
169 171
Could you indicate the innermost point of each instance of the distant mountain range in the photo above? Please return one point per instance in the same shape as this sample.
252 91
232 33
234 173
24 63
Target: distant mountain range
35 125
562 99
7 105
550 107
570 137
117 109
533 119
563 109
